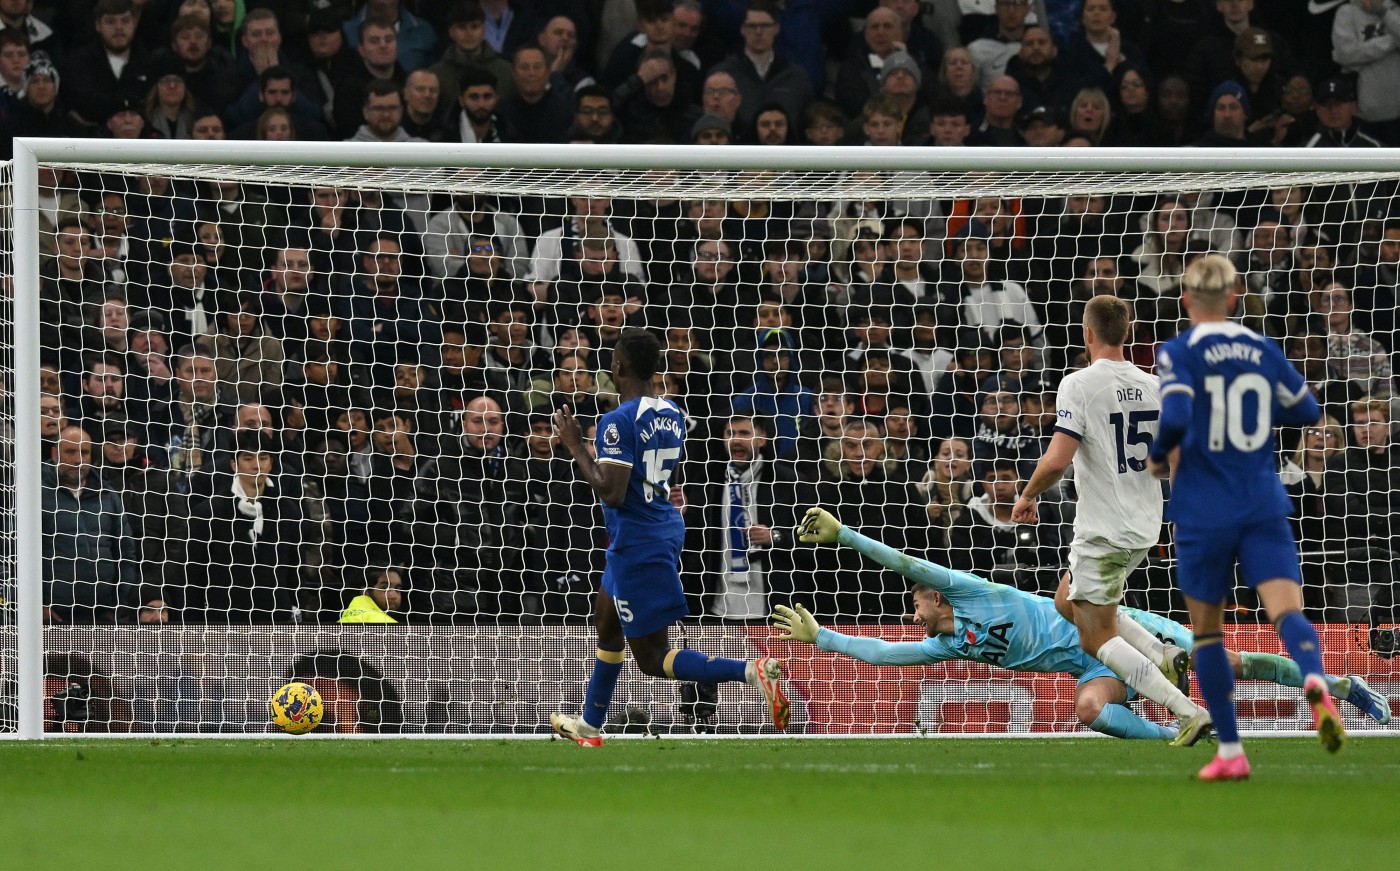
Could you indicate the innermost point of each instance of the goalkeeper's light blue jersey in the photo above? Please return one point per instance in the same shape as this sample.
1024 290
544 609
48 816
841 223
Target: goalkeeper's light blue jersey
994 623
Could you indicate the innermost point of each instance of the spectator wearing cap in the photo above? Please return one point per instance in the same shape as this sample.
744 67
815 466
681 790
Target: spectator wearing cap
1262 78
330 62
595 120
776 391
883 42
127 122
1098 47
1002 101
1337 126
114 71
759 72
1000 431
417 39
1228 109
711 130
1364 42
1212 59
1041 127
901 79
41 113
987 302
1040 71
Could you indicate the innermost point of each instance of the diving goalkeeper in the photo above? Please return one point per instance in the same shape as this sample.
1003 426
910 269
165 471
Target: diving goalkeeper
968 618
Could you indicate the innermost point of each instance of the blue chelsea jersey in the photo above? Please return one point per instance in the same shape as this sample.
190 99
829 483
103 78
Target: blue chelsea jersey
1224 389
648 436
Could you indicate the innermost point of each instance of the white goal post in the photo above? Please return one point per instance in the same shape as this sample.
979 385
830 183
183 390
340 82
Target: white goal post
518 661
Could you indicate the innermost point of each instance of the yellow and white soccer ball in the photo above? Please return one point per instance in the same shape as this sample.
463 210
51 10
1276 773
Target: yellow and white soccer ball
296 708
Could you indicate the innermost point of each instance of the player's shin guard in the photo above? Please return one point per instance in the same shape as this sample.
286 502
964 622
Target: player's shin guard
1217 682
1300 638
1120 722
606 667
701 668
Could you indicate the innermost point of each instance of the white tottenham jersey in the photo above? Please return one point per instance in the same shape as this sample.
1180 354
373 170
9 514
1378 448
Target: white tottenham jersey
1112 408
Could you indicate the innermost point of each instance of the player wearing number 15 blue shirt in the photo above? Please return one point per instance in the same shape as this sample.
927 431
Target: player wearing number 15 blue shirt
639 447
1224 388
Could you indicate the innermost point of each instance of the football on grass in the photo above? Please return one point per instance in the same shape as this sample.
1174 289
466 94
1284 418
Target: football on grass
296 708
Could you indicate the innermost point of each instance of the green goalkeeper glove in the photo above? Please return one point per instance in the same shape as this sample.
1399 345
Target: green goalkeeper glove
799 624
818 526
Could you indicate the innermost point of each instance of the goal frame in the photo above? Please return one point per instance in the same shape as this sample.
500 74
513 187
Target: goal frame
29 153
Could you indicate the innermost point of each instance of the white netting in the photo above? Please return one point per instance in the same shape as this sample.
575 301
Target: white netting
8 637
384 342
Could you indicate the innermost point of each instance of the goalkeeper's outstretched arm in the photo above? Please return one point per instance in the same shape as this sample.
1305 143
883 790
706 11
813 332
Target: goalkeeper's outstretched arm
798 624
819 526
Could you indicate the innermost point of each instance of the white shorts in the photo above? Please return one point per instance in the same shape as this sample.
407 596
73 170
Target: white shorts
1097 572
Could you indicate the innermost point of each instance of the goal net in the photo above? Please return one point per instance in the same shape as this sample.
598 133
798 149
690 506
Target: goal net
294 417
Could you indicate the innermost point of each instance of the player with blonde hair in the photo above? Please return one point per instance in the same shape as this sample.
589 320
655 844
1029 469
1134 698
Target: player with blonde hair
1224 389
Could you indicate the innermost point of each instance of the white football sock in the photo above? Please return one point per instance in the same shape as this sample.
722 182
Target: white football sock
1138 672
1140 639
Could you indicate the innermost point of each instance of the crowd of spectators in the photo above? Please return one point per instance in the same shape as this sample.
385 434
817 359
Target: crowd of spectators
253 392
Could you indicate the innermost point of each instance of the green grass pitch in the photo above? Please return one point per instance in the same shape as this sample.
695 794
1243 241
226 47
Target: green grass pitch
669 803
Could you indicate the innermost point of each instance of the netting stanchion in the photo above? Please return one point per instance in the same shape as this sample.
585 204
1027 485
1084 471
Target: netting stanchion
315 379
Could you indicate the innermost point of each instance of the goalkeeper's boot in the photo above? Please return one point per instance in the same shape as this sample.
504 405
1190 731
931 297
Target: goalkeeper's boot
1220 768
1193 728
1176 666
1326 719
1368 700
576 730
768 673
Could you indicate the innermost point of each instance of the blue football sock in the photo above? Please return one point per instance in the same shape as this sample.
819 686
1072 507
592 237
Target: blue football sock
702 668
601 684
1217 682
1120 722
1300 638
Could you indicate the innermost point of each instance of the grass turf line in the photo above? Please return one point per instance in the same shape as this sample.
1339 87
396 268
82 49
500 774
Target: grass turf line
661 804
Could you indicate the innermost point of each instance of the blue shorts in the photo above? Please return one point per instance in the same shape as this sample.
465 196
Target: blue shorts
644 581
1206 557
